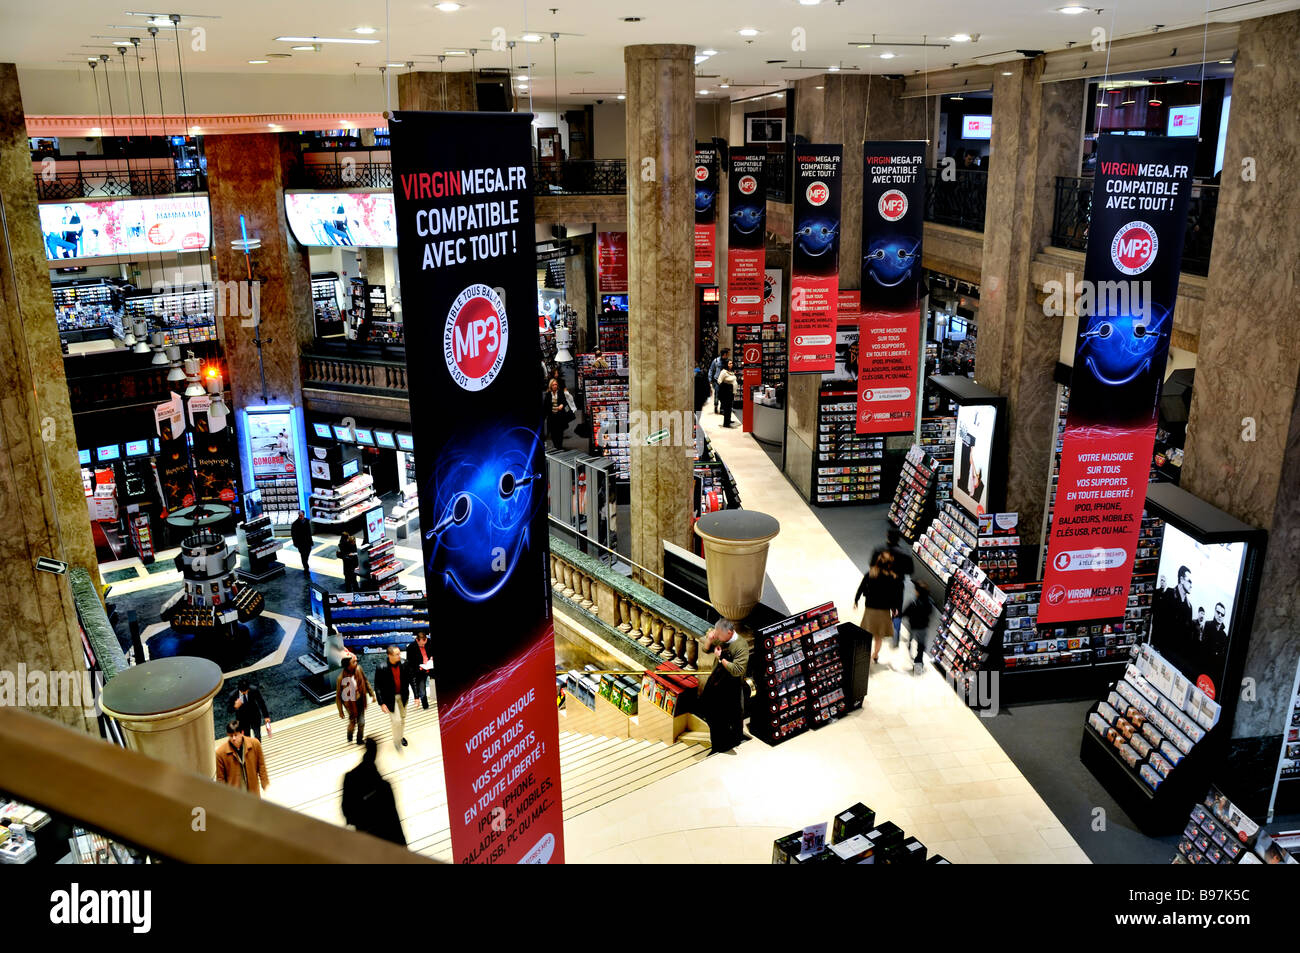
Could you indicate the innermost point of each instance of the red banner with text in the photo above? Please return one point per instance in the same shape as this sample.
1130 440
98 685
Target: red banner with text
611 263
888 347
706 213
815 258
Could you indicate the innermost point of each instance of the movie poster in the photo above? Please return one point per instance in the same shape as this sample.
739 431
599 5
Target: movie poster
464 201
706 213
746 237
893 207
1131 270
815 258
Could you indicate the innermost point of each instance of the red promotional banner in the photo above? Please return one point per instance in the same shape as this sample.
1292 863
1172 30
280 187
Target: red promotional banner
706 250
887 371
746 234
815 258
706 213
481 472
751 362
848 305
611 263
1130 271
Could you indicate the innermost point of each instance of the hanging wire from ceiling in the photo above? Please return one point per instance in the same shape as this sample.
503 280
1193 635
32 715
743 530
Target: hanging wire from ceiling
112 119
144 113
555 74
1101 90
530 62
1205 39
185 115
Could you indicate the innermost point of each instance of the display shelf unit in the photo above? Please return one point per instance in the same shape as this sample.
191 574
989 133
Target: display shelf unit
799 675
611 331
1219 832
256 543
937 436
184 317
970 622
913 503
280 499
606 400
948 541
847 466
998 546
855 838
142 537
369 622
378 566
344 502
81 306
669 689
324 299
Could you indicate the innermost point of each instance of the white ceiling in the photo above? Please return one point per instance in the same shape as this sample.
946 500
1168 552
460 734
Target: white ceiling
60 36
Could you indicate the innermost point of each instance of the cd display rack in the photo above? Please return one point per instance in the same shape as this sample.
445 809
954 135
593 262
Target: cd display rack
914 495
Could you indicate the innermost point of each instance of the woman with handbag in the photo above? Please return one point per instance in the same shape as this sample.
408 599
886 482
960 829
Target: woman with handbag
560 411
882 590
727 392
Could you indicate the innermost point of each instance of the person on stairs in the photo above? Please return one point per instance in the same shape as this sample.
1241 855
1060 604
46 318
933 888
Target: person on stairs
393 691
240 762
722 700
350 696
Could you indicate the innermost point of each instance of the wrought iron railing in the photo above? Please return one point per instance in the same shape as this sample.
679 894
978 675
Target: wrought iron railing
98 184
345 173
580 177
958 200
353 374
1072 214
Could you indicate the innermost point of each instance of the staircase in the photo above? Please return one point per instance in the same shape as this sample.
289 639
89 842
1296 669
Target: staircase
308 755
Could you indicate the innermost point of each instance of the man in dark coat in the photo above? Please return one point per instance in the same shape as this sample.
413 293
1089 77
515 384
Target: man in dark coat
368 803
300 532
250 709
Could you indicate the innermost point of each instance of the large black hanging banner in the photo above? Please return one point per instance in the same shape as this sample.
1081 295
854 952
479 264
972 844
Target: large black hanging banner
465 248
815 258
1126 316
746 237
706 213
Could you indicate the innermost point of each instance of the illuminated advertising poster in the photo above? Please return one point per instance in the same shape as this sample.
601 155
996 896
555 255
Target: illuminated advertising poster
270 444
815 261
1135 250
174 473
473 353
125 227
706 213
611 263
746 230
893 207
351 219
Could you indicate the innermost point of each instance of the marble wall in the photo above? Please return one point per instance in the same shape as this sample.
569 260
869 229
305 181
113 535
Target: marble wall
1248 367
42 506
661 288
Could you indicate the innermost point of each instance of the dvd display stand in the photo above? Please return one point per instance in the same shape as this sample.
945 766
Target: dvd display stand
799 675
378 566
258 546
948 541
914 496
369 622
1219 832
344 502
846 465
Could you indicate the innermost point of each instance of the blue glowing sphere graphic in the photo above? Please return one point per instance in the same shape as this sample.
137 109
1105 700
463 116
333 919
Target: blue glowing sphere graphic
1118 348
703 199
817 237
889 261
746 219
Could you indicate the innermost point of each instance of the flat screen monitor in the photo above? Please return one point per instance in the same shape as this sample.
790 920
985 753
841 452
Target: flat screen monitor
375 525
977 127
350 219
973 458
710 296
157 445
613 302
1183 121
365 437
137 448
764 129
405 442
111 452
322 430
384 438
342 434
83 457
351 468
103 228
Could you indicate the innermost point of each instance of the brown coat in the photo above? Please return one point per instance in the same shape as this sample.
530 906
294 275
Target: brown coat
353 705
229 770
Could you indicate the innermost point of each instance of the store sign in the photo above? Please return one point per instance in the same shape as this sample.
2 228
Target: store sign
125 227
815 262
772 296
750 348
611 262
481 475
350 219
746 237
1135 250
706 213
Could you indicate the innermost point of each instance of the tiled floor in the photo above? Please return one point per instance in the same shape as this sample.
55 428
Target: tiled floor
914 753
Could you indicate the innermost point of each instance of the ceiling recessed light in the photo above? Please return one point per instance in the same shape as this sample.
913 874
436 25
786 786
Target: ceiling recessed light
454 53
304 49
364 30
832 69
724 86
621 96
700 58
1102 105
1128 102
257 62
1225 62
708 52
819 87
323 39
396 65
748 31
1007 72
809 3
887 56
1072 10
864 46
960 37
448 7
531 38
701 92
957 99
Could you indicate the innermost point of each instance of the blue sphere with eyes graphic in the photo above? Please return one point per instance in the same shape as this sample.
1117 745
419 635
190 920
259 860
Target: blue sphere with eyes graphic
889 261
746 219
817 237
484 493
703 198
1119 348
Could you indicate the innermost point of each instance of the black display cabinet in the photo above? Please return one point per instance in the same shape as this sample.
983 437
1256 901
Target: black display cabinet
979 478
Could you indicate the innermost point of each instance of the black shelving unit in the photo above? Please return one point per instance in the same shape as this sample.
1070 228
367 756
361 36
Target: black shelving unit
257 546
847 467
913 504
799 675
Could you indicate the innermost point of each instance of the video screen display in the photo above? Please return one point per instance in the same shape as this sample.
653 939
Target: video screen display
83 457
1184 121
976 424
322 430
342 434
351 468
613 302
365 437
137 448
124 227
112 452
405 442
385 439
977 127
1192 610
350 219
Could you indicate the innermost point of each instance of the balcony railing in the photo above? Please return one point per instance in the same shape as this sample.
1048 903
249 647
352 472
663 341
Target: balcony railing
354 374
958 201
1072 215
80 185
580 177
343 174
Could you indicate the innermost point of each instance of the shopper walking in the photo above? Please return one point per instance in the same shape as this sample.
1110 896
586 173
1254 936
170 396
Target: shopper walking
250 709
726 392
882 591
560 411
348 555
368 803
723 696
392 691
240 763
702 390
918 613
419 663
903 565
715 368
350 693
300 533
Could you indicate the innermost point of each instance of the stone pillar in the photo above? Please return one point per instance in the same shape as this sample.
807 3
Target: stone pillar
1036 137
575 289
661 287
1248 365
435 90
42 506
246 176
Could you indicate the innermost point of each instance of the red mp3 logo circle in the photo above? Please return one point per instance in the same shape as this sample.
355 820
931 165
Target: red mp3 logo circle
818 193
701 173
475 336
892 205
1134 248
748 185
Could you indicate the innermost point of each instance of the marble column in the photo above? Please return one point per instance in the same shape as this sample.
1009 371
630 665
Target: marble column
661 287
1036 137
247 176
42 506
575 289
435 90
1243 435
838 108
